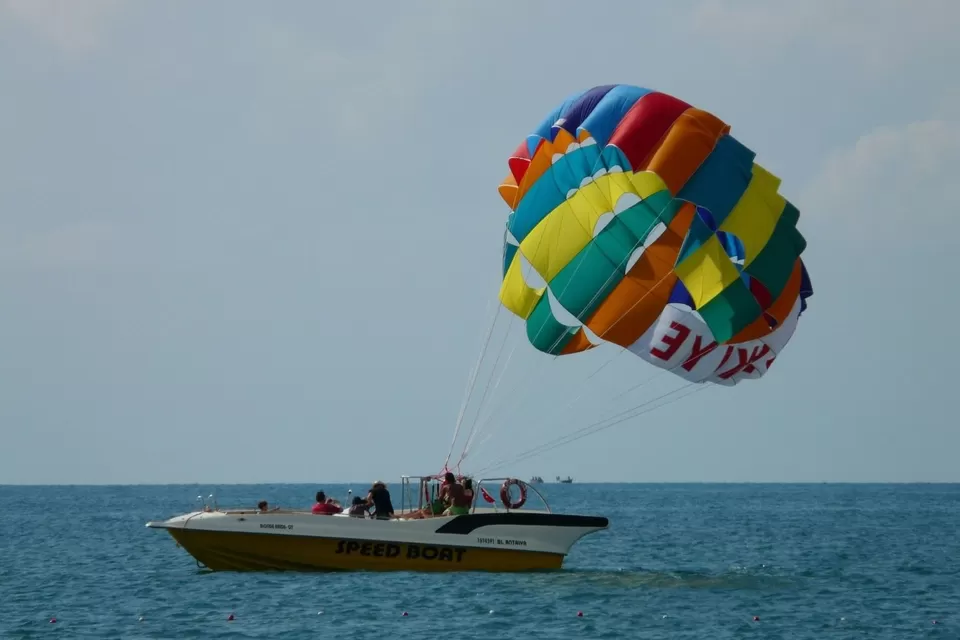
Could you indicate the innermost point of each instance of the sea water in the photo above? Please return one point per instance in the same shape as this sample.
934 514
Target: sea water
679 561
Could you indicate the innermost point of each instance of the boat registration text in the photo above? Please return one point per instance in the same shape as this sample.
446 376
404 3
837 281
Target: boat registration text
507 542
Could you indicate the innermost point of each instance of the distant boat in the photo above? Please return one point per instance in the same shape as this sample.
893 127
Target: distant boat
567 480
536 480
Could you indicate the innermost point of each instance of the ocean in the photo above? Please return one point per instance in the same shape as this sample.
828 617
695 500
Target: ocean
679 561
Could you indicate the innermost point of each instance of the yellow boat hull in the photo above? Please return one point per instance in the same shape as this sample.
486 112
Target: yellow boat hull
220 551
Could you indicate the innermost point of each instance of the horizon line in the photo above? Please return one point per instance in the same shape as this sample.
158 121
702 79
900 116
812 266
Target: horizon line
585 482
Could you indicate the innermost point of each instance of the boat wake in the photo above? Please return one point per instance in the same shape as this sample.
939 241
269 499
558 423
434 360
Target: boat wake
735 578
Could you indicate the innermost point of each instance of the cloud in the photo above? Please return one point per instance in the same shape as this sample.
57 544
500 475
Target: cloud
76 26
894 186
361 85
876 34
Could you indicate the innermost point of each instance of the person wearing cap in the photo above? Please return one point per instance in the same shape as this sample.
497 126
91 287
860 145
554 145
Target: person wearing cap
379 498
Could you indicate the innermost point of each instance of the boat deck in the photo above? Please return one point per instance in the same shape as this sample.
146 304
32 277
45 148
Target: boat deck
397 512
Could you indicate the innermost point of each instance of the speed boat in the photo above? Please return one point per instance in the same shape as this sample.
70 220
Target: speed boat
491 538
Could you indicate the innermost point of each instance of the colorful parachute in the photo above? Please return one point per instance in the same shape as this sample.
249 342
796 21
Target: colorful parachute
646 222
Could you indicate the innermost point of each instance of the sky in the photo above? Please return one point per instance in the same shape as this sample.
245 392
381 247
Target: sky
261 242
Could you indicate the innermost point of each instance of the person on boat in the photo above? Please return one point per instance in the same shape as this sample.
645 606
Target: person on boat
263 507
468 489
449 480
325 507
379 498
436 507
433 508
358 509
453 496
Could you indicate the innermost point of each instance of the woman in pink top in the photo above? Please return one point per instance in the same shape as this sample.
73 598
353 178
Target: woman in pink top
324 507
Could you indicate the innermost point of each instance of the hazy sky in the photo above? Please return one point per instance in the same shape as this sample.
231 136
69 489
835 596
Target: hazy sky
248 241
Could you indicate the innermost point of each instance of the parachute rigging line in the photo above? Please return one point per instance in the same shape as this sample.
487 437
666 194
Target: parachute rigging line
642 239
471 380
499 353
587 429
596 427
615 355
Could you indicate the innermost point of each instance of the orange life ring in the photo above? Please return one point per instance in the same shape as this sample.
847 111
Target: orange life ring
505 493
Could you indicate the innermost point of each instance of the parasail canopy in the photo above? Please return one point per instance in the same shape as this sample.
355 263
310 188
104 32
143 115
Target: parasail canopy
637 219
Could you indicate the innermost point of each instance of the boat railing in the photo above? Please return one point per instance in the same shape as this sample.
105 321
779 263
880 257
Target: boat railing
413 491
525 487
416 492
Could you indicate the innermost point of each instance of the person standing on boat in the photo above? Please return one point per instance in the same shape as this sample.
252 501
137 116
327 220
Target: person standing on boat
453 496
379 499
324 507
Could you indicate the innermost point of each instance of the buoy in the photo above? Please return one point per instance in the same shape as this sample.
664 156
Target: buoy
319 613
140 619
229 617
491 610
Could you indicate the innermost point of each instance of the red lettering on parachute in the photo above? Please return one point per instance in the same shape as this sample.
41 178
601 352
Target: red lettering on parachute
726 356
698 353
672 342
746 361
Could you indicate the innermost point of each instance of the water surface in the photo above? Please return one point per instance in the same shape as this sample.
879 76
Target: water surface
679 561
